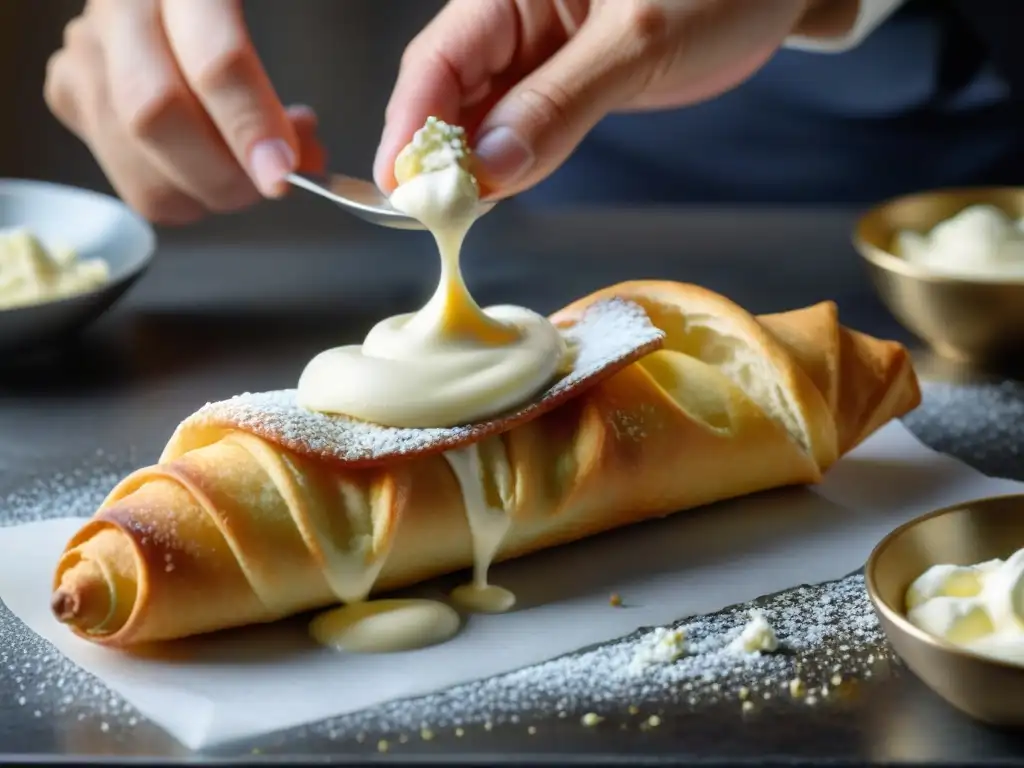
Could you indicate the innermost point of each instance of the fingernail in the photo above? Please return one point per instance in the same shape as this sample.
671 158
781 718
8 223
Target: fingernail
269 162
304 111
504 155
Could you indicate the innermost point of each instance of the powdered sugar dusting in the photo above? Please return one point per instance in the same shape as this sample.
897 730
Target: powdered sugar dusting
829 640
35 675
610 335
74 493
45 683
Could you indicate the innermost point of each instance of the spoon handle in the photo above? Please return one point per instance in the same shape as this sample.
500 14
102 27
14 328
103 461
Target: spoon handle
357 196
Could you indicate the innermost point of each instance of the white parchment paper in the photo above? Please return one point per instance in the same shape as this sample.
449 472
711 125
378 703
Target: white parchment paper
257 680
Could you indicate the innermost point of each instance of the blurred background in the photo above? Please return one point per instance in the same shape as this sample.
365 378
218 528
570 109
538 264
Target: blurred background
919 105
341 57
338 56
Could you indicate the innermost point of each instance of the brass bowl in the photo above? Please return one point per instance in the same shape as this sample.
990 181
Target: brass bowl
964 534
968 319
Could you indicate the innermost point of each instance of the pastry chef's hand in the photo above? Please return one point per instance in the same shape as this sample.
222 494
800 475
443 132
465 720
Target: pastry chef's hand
171 98
529 78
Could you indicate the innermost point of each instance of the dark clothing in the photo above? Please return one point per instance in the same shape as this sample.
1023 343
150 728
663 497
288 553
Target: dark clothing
927 100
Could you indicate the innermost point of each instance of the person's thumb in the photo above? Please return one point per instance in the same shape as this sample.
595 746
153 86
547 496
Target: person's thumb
536 126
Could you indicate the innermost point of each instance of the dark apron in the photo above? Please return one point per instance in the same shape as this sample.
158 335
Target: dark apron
932 98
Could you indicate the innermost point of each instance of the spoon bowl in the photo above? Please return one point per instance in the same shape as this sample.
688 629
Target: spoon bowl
361 198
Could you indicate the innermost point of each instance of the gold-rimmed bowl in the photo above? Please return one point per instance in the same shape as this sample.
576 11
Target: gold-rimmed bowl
975 320
984 688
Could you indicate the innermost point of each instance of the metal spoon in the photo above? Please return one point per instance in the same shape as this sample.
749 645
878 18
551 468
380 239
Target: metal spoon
361 198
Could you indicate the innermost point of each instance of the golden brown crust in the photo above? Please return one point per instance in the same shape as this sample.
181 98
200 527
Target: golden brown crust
684 312
250 528
866 381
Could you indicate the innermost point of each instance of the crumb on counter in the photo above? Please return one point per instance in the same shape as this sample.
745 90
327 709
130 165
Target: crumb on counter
662 646
757 636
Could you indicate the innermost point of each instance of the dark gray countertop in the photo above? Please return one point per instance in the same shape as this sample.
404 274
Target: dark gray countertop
241 304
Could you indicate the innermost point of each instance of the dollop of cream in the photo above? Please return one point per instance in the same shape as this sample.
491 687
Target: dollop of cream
450 363
386 626
978 607
979 241
31 274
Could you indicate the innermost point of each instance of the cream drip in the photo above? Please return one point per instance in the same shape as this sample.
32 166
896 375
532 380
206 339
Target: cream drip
488 520
386 626
450 363
372 626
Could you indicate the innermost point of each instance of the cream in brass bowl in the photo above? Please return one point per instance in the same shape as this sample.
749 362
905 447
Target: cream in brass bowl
973 532
975 319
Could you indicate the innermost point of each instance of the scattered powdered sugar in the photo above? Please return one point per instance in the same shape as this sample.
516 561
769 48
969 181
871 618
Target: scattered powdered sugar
980 423
610 335
34 675
828 637
74 493
37 677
